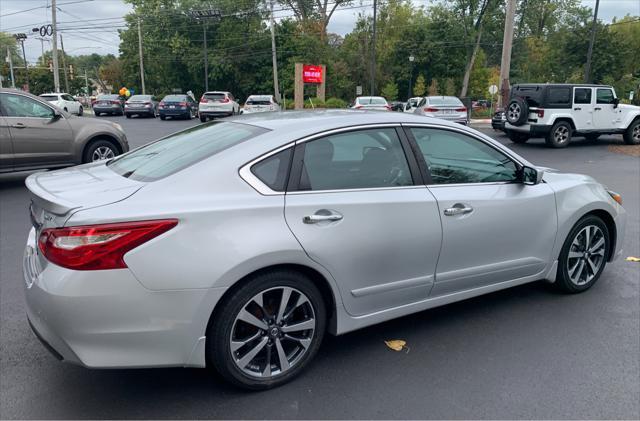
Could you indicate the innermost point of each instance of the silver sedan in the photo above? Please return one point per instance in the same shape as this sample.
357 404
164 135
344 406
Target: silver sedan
240 244
447 108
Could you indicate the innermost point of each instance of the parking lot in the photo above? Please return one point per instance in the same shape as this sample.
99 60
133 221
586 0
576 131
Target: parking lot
527 352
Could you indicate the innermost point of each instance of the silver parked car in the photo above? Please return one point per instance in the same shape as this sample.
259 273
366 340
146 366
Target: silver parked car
239 244
36 134
141 105
375 103
445 107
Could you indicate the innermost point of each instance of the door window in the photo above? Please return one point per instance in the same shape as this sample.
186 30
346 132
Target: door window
604 96
582 96
68 98
355 160
457 158
21 106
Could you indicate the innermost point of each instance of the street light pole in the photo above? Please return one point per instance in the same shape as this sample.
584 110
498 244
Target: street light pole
373 50
587 70
20 38
54 38
206 57
64 66
276 87
411 58
13 79
141 59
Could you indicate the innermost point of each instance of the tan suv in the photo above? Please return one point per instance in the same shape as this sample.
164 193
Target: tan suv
35 134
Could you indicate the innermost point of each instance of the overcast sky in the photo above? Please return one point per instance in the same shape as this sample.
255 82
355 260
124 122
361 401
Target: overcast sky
100 36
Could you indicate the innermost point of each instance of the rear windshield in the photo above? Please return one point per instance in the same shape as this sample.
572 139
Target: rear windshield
110 97
181 150
372 100
215 97
175 98
49 97
445 101
140 98
258 100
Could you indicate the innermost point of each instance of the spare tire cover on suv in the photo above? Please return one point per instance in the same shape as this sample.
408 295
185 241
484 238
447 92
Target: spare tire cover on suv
517 112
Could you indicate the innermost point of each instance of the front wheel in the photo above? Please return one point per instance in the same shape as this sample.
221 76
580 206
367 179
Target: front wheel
80 112
100 150
583 255
268 330
632 134
560 135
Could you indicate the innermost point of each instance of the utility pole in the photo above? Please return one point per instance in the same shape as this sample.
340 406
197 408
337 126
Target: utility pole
587 70
13 79
276 87
507 42
144 91
64 66
373 50
54 35
42 40
86 83
206 56
20 38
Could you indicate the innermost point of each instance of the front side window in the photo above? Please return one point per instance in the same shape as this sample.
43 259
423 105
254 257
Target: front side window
582 96
454 158
22 106
355 160
181 150
68 98
604 96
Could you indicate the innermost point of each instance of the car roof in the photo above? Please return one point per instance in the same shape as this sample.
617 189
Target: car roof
584 85
217 92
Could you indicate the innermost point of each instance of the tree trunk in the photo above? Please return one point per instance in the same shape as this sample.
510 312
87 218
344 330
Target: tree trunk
472 59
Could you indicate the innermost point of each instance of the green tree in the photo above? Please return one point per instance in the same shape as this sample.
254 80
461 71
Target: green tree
433 88
390 91
419 89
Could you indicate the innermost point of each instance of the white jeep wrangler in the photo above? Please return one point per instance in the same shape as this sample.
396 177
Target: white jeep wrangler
559 111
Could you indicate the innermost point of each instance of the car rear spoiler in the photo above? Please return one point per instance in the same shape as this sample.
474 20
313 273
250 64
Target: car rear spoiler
45 199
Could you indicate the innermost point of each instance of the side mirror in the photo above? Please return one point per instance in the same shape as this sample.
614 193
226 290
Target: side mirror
531 176
57 115
616 102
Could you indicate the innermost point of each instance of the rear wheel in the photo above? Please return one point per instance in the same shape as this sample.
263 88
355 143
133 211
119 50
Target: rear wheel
100 150
80 112
560 135
517 137
268 330
583 256
162 117
128 115
632 135
96 113
203 118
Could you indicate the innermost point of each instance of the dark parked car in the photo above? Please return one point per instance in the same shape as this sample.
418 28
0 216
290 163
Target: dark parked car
397 106
141 105
178 106
35 134
498 120
108 104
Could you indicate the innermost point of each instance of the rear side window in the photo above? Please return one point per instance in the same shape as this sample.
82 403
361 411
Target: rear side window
582 96
181 150
559 97
274 170
604 96
50 98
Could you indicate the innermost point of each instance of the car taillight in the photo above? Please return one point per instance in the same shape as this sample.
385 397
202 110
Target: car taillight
461 110
388 107
204 100
183 104
358 106
431 110
118 102
540 112
225 100
98 247
160 104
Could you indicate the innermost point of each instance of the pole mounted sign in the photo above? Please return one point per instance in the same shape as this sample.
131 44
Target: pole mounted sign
312 73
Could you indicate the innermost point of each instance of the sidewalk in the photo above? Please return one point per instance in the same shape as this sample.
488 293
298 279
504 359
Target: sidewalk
480 123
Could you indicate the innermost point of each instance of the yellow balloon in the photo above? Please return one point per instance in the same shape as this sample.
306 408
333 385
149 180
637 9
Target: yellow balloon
127 93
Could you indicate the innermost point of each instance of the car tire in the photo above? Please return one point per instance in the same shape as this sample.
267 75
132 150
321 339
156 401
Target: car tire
632 134
96 113
517 112
80 112
560 135
592 137
259 300
103 148
203 119
583 257
128 115
162 117
517 137
65 110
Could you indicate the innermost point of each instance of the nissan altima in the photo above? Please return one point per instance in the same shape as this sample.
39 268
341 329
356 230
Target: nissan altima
239 244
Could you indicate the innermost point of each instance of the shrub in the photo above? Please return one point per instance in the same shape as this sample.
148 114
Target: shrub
335 103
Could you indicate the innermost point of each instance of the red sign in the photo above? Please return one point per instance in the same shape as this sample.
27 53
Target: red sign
311 73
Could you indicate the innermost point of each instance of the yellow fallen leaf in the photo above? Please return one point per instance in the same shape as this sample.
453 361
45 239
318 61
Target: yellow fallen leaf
632 259
396 344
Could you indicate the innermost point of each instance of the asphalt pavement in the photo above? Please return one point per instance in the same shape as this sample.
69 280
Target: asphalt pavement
527 352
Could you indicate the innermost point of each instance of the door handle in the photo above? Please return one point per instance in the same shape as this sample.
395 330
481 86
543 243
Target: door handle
458 209
321 216
19 126
597 109
577 109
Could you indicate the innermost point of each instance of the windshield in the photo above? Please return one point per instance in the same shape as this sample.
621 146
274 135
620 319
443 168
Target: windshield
169 98
445 101
49 98
140 98
372 100
181 150
258 100
110 97
214 97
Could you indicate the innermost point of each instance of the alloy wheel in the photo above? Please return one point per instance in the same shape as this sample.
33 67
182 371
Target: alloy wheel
514 112
586 255
272 332
103 152
635 135
561 134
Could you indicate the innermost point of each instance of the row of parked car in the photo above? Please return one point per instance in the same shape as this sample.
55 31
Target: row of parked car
448 108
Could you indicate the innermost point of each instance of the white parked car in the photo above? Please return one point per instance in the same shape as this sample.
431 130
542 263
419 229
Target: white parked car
65 102
448 108
557 112
217 104
376 103
260 104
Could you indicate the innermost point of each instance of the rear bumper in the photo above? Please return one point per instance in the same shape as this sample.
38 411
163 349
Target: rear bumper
147 111
116 110
174 113
215 113
533 130
107 319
